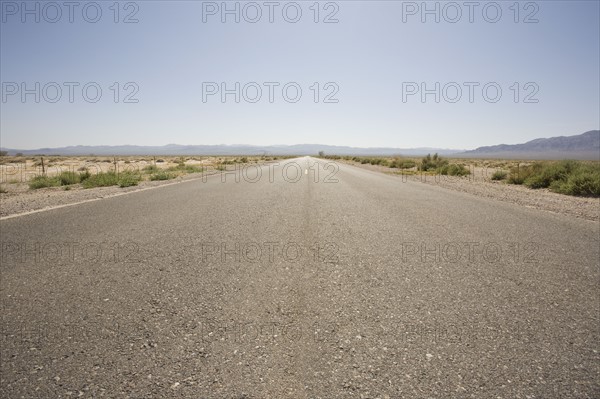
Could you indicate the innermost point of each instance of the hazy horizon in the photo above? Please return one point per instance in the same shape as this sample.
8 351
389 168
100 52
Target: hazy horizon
271 145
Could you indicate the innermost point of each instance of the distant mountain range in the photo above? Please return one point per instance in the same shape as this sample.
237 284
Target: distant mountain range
582 146
176 149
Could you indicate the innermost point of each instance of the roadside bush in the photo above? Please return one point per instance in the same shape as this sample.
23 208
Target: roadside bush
432 163
400 163
162 175
150 169
582 181
42 181
453 170
67 178
565 177
499 175
103 179
128 179
519 174
186 168
548 173
84 175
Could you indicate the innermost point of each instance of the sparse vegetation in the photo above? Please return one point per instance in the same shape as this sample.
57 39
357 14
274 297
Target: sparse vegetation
432 163
151 169
67 178
162 175
43 181
128 179
401 163
565 177
105 179
182 167
499 175
453 170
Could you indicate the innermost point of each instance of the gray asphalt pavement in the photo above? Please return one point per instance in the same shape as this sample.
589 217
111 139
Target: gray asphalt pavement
314 280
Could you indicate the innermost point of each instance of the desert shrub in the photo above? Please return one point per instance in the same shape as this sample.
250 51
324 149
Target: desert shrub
103 179
565 177
400 163
43 181
186 168
584 180
84 175
151 169
499 175
520 173
162 175
547 173
67 178
453 170
127 179
432 163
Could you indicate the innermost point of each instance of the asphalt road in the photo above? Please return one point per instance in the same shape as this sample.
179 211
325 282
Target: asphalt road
344 284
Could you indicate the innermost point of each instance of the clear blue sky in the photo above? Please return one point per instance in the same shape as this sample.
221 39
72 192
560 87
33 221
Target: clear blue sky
373 49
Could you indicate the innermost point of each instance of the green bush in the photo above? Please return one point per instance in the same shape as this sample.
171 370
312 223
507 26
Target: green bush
548 173
128 179
453 170
432 163
67 178
186 168
565 177
402 163
519 174
162 175
43 181
499 175
583 181
151 169
103 179
84 175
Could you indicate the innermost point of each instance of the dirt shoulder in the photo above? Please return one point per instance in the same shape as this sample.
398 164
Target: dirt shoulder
480 184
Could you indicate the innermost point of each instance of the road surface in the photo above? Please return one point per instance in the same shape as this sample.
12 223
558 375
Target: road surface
344 283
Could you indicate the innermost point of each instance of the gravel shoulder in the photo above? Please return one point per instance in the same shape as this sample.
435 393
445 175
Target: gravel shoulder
480 184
